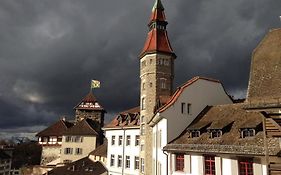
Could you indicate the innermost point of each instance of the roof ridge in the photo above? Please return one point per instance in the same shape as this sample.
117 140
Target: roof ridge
90 125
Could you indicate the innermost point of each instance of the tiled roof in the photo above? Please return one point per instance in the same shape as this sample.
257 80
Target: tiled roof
128 118
83 166
89 102
55 129
264 82
180 89
157 39
84 127
231 140
100 150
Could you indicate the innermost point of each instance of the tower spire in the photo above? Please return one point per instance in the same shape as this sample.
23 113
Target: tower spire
158 5
157 38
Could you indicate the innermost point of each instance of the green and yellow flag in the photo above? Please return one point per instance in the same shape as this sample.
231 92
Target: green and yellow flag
95 84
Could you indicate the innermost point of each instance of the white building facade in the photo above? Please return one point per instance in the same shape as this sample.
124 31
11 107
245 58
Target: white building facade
123 136
185 164
183 107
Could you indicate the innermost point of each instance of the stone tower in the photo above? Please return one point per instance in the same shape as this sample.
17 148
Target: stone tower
89 108
156 74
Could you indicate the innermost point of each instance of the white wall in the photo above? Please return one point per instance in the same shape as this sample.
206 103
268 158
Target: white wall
123 150
225 165
199 94
88 144
159 158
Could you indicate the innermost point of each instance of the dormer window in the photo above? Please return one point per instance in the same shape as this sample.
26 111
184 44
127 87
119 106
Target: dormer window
216 133
249 132
195 134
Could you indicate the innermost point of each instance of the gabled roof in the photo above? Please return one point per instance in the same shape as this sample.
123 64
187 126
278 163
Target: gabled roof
55 129
100 150
230 141
180 89
128 118
84 166
84 127
265 82
89 102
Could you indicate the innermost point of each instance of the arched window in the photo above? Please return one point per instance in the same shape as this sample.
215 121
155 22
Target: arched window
143 103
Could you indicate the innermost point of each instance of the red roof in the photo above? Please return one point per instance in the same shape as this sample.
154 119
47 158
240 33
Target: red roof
157 39
157 14
89 102
128 118
176 95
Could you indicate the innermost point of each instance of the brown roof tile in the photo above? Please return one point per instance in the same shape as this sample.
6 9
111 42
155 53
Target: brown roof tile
55 129
128 118
224 115
89 102
84 127
100 150
83 166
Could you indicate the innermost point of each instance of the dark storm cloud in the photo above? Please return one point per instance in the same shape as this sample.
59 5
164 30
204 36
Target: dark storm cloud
50 50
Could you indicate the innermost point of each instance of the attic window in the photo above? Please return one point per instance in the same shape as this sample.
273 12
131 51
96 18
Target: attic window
216 133
195 134
247 133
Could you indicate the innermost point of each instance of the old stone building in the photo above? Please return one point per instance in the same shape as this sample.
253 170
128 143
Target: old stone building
89 119
90 108
156 74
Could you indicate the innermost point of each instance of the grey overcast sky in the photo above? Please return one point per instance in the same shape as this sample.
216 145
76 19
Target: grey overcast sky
50 50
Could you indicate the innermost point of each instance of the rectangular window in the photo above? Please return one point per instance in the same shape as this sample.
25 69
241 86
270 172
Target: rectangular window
112 140
137 140
137 163
67 139
163 84
142 147
112 159
119 161
183 107
78 151
68 150
143 103
210 168
142 165
142 129
246 167
142 119
179 162
128 140
127 161
120 140
247 133
216 133
188 108
77 139
195 134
